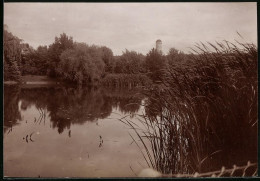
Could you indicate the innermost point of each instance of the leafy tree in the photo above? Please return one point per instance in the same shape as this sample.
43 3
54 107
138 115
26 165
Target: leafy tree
175 57
12 56
82 64
108 59
60 44
119 65
155 64
34 62
42 54
28 61
130 62
27 57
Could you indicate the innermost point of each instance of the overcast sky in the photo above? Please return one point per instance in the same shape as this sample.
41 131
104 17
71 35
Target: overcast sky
132 26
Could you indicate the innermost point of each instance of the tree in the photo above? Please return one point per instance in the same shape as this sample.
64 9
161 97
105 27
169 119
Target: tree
42 55
55 50
83 64
155 64
130 62
175 57
108 59
12 56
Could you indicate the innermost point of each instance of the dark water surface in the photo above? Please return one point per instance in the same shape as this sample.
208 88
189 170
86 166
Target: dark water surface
69 132
76 132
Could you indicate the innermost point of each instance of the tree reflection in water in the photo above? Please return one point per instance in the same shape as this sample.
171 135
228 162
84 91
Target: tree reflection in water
69 105
11 110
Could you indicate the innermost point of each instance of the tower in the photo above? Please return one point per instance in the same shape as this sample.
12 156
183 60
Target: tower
159 46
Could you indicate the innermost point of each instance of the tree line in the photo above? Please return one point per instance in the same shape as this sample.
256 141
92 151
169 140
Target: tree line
81 63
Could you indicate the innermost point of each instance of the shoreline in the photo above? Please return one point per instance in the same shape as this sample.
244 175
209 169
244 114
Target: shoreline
33 80
110 81
10 82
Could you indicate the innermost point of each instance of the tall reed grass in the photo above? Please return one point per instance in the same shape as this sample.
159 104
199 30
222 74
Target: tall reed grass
126 80
203 110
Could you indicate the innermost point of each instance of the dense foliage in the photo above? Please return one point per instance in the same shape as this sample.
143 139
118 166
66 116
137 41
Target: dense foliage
12 56
34 62
60 44
175 57
82 64
130 62
156 64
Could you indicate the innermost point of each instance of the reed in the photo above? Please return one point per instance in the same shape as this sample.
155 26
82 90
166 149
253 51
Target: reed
200 110
125 80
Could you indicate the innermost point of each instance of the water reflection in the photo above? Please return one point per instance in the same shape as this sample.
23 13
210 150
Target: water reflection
68 105
11 111
69 132
197 137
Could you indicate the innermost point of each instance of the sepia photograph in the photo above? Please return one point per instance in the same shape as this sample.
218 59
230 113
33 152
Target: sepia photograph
130 90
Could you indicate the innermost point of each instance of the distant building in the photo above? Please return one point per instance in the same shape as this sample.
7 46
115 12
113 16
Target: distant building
159 46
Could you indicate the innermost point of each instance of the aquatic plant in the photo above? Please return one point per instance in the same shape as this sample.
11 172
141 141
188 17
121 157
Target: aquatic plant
202 110
126 80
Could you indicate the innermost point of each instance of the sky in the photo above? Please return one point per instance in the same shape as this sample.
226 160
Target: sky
133 26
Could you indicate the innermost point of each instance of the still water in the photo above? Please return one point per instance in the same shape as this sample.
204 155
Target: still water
78 132
69 132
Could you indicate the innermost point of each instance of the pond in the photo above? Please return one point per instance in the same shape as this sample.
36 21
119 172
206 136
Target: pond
69 132
81 132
